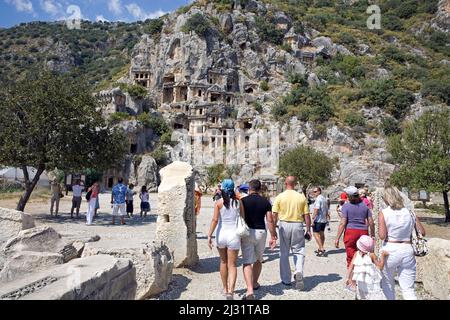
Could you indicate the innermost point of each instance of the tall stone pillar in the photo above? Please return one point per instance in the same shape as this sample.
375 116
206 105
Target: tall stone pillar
176 217
378 204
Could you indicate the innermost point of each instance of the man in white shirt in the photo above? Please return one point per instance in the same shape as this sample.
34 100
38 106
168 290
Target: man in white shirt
77 190
320 216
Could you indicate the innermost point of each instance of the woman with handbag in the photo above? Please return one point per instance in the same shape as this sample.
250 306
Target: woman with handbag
395 226
226 213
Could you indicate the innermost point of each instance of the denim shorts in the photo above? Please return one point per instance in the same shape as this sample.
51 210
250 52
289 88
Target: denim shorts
319 227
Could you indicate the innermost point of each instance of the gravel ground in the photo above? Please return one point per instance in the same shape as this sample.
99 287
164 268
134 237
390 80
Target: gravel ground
324 276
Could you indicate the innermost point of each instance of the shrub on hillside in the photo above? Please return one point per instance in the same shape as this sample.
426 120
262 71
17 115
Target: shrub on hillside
355 119
268 31
197 23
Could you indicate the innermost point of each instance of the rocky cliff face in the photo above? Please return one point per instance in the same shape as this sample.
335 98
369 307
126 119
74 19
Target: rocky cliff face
218 87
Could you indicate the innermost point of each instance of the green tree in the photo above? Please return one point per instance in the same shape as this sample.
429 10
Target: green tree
422 153
231 170
214 174
197 23
52 121
309 166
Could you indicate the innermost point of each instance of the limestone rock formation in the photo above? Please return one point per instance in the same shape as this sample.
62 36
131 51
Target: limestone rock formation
153 264
441 20
100 277
145 174
434 268
176 217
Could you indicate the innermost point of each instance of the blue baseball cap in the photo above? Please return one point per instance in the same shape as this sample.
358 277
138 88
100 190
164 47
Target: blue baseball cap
244 187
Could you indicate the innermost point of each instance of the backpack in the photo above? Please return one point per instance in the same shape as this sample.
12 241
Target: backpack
88 195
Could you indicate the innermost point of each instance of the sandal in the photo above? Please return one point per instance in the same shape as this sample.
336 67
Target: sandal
229 296
248 297
257 287
320 253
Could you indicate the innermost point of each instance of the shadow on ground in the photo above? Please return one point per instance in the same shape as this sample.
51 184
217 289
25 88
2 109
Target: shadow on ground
103 219
335 251
435 221
313 281
176 287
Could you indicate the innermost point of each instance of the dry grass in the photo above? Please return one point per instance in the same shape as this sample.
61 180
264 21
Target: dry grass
38 194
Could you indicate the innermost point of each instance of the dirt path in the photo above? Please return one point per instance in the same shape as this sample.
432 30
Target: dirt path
324 276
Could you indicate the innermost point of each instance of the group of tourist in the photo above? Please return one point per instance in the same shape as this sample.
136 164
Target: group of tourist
121 200
369 276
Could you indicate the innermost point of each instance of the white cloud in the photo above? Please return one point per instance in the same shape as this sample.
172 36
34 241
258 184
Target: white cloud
22 5
156 14
101 18
138 13
135 10
51 7
115 7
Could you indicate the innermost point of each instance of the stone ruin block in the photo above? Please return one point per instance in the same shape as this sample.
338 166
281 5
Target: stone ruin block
100 277
433 270
23 263
12 222
40 239
153 264
176 217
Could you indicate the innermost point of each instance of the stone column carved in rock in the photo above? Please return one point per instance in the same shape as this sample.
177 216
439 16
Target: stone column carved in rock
176 217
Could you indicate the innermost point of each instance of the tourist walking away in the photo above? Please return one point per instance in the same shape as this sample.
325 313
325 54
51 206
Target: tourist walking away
320 217
355 220
129 200
92 198
118 197
77 191
56 196
363 196
145 201
226 213
197 199
364 272
197 203
291 209
218 192
395 226
243 191
265 193
256 211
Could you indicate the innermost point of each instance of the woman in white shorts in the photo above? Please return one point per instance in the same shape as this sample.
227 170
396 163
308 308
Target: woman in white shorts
226 212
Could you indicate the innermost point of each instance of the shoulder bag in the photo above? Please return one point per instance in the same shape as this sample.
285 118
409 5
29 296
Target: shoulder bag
418 242
242 229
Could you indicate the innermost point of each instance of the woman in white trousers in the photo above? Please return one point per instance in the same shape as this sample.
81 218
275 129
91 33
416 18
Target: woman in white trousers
95 188
395 226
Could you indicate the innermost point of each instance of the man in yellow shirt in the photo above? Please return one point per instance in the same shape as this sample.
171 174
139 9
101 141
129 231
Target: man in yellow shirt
291 208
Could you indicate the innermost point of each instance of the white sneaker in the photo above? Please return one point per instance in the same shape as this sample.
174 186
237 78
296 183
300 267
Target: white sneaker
299 283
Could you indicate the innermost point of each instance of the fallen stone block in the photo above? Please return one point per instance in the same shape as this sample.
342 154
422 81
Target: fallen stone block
153 263
176 217
40 239
100 277
25 262
12 222
435 268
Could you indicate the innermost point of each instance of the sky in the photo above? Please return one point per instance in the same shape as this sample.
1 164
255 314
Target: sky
13 12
